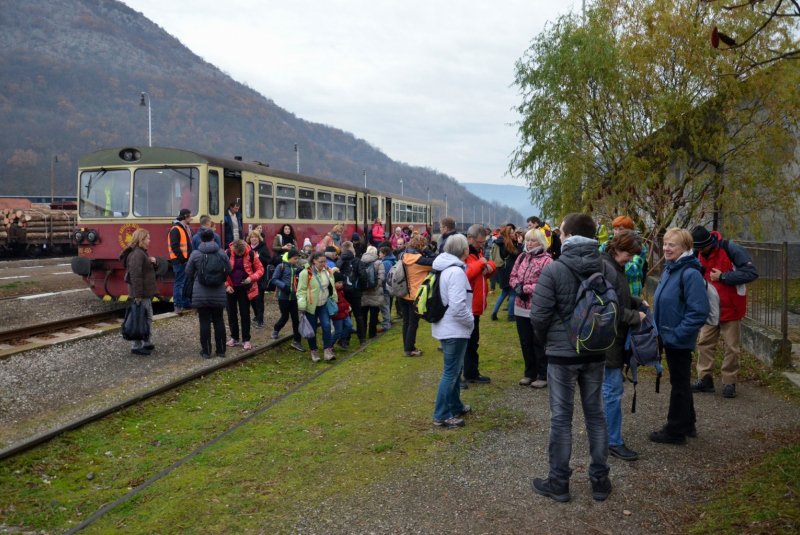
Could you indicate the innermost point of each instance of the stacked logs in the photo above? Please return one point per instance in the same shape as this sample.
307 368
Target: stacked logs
39 223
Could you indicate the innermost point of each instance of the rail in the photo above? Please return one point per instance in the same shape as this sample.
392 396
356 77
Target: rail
46 328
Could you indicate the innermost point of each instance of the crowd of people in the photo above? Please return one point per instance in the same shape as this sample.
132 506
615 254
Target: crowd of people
573 291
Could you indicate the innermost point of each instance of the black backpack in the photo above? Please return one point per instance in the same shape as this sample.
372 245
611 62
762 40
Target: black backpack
372 277
350 274
211 270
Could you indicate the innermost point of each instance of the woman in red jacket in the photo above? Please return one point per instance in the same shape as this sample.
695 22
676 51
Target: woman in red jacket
241 286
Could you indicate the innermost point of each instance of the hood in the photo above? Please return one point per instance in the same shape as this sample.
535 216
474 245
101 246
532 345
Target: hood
390 257
581 255
368 258
445 260
347 256
123 256
208 247
684 260
355 237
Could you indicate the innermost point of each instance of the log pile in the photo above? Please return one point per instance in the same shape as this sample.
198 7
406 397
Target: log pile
39 223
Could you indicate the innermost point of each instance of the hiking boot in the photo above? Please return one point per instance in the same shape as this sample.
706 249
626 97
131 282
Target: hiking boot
275 335
328 354
622 452
692 433
259 325
480 379
205 355
557 489
706 384
246 346
140 351
149 346
662 437
601 488
525 381
232 342
494 316
406 353
450 422
729 391
298 346
539 383
315 355
466 410
416 353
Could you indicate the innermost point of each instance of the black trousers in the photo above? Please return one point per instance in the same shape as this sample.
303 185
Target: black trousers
532 350
397 305
471 356
354 298
681 416
209 315
238 300
258 306
288 309
410 324
372 314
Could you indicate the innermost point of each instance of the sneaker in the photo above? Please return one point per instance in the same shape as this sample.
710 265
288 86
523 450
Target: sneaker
706 384
525 381
557 489
539 383
233 342
328 354
416 353
205 355
275 335
692 433
494 316
601 488
622 452
480 379
315 355
177 310
298 346
140 351
259 325
729 391
246 346
149 346
378 329
450 422
466 410
662 437
406 353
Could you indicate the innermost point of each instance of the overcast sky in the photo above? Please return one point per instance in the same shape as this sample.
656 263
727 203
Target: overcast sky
428 82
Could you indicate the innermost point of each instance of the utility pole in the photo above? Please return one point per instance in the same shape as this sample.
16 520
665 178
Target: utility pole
429 194
401 186
297 157
149 106
462 214
365 178
483 221
445 204
53 160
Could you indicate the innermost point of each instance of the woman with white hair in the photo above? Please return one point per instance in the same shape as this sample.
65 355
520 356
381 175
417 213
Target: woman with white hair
523 279
453 330
398 235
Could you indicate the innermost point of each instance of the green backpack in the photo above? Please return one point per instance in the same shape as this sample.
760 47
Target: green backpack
428 301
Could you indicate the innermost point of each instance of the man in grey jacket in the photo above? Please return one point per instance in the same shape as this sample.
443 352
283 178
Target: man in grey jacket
552 304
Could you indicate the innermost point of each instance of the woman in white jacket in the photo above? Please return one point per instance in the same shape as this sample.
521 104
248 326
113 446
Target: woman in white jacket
453 330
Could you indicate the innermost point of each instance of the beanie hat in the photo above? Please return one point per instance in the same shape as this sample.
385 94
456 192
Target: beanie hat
183 213
307 243
338 277
331 249
702 237
292 253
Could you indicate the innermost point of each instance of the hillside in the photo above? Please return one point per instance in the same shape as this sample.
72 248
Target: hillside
71 74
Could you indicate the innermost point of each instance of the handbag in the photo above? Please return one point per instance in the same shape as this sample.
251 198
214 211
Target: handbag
333 308
135 325
305 329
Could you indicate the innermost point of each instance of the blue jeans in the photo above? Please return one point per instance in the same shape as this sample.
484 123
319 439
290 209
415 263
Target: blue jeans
612 396
448 397
386 312
321 315
177 287
342 329
507 292
561 382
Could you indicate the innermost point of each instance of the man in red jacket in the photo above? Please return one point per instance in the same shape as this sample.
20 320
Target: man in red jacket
728 266
479 270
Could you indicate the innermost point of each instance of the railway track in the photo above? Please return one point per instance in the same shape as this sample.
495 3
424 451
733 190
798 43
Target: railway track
57 330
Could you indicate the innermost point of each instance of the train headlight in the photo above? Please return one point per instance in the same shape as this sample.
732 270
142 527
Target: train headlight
78 237
130 155
92 236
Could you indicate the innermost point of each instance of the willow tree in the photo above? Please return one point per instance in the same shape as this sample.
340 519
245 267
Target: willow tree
624 111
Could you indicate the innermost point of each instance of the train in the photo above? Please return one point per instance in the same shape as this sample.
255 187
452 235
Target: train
123 189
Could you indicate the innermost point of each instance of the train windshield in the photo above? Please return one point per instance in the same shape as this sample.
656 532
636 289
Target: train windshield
105 193
165 192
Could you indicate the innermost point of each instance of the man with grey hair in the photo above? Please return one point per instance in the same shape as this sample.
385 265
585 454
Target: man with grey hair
479 270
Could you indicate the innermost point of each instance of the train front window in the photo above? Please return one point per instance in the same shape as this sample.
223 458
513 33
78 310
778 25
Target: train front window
105 193
165 192
305 204
284 197
339 206
324 205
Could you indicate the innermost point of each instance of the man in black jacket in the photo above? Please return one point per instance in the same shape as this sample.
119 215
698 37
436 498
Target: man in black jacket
355 275
552 305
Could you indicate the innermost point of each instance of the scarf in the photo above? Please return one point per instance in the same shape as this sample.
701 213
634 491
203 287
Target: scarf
234 225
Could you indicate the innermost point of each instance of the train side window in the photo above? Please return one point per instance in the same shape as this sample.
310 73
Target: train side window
249 200
284 196
105 193
339 206
373 208
360 208
409 217
305 204
351 207
324 205
265 200
213 193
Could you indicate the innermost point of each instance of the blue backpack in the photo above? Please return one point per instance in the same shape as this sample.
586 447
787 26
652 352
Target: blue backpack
642 342
593 325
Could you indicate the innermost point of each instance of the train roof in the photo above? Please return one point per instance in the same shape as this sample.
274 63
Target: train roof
168 156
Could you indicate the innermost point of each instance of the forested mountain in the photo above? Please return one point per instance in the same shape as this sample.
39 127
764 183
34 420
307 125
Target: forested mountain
71 72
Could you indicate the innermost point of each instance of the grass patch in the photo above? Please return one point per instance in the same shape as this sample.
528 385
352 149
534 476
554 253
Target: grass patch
351 427
17 284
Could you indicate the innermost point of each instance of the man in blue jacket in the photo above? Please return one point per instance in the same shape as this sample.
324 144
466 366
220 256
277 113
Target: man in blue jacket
205 222
552 304
233 225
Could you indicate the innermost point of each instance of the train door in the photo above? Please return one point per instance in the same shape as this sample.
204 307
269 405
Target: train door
388 220
248 206
232 191
361 218
216 201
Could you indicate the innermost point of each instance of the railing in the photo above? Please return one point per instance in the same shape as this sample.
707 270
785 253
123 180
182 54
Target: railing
768 299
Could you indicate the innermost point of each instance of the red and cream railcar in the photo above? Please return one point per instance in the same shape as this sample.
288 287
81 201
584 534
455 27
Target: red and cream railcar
121 190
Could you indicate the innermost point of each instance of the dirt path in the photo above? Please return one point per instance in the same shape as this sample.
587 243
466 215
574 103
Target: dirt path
487 489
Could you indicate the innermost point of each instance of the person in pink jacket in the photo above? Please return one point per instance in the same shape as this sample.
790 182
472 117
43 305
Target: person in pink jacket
376 234
242 287
398 234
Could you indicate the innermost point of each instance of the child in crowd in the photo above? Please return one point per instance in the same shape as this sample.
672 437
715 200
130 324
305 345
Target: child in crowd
342 323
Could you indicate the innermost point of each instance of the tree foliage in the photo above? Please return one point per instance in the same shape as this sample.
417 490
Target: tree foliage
625 112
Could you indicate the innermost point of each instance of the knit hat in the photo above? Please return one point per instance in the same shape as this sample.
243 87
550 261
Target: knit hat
338 277
292 253
702 237
307 243
183 213
331 249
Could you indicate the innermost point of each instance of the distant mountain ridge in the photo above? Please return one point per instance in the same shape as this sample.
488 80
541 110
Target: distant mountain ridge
71 72
517 197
